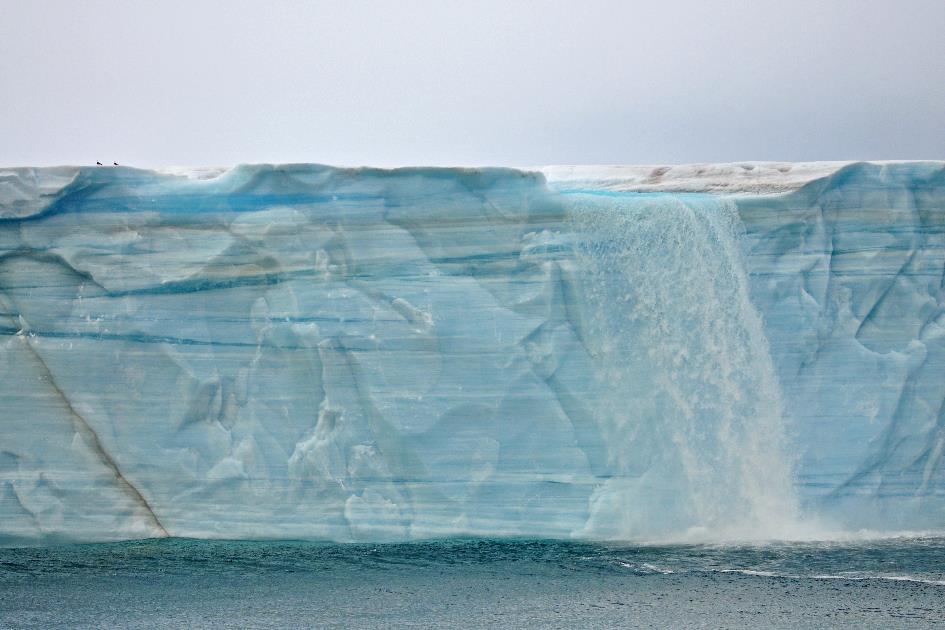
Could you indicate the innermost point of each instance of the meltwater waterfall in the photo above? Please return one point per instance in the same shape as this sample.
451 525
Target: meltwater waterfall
307 352
689 403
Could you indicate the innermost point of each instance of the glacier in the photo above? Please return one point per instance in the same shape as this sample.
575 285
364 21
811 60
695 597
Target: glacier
714 352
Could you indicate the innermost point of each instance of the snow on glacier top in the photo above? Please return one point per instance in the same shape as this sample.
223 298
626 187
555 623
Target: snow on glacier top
736 177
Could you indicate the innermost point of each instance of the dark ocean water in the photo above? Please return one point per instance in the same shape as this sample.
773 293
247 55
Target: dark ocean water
473 583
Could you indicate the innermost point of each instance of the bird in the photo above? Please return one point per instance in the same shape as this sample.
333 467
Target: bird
115 163
99 163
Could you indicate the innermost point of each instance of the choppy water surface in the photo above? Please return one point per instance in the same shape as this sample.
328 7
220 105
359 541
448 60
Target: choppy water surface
472 583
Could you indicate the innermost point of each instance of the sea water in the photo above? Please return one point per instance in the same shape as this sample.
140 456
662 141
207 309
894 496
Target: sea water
473 583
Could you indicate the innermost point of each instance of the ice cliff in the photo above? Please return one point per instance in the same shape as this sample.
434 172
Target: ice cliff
299 351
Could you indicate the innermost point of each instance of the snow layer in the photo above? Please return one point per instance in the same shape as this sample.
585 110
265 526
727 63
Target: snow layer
359 354
741 177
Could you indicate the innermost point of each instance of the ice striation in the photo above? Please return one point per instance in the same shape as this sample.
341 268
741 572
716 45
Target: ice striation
716 352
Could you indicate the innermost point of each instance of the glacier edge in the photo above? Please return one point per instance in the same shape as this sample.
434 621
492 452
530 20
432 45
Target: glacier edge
300 351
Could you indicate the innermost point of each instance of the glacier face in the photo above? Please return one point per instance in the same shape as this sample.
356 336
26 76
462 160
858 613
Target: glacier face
308 352
849 272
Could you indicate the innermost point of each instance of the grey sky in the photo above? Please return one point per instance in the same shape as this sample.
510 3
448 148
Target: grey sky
470 82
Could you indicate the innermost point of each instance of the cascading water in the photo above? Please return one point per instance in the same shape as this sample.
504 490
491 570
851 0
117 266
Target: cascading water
688 405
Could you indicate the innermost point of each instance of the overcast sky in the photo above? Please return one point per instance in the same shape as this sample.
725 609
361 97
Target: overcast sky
470 82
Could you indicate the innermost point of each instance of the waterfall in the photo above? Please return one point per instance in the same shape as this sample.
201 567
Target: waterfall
688 402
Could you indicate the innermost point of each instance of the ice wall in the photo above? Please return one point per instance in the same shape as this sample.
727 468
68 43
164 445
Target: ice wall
308 352
849 272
